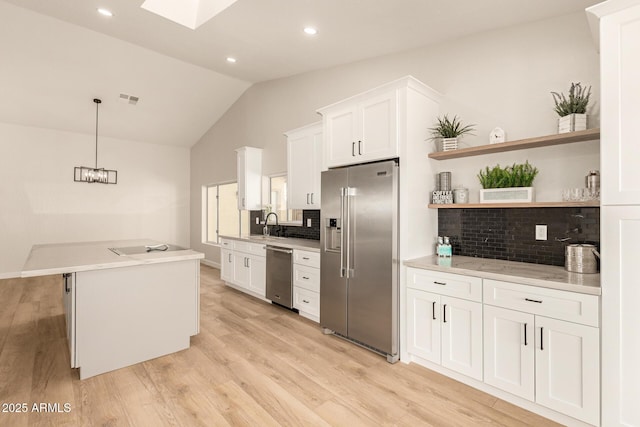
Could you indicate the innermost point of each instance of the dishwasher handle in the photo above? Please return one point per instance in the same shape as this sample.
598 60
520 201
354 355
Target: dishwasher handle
277 249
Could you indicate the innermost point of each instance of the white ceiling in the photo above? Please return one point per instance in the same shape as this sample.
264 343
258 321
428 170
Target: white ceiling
54 66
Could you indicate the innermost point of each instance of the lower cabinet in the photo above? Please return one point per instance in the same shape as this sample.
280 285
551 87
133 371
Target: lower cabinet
244 265
306 283
538 344
552 362
446 331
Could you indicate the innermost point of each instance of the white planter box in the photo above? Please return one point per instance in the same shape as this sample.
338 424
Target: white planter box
572 122
446 144
507 195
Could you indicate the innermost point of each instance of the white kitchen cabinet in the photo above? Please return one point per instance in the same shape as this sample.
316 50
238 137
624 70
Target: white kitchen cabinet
243 266
509 355
363 128
462 336
550 361
249 176
69 303
306 283
304 163
616 25
443 329
567 366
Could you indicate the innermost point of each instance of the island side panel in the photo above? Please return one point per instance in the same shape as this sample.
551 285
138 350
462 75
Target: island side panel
131 314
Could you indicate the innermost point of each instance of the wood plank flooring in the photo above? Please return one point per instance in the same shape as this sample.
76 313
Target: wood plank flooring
252 364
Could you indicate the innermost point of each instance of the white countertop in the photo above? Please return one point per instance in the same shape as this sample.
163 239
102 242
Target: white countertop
547 276
59 258
286 242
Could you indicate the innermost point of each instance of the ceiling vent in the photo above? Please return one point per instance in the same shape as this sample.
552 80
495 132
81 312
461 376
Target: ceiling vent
129 99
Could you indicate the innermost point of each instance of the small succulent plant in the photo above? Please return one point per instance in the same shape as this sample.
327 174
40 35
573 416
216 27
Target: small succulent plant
450 128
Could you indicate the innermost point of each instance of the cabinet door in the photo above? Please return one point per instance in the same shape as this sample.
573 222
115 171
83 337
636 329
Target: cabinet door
378 128
620 91
423 325
620 231
304 157
257 274
462 336
249 176
240 269
509 356
69 300
340 137
226 265
568 368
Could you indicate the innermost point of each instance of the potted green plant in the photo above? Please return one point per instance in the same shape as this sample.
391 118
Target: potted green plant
511 184
447 131
572 109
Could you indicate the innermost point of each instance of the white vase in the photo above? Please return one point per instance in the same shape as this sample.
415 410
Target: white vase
572 123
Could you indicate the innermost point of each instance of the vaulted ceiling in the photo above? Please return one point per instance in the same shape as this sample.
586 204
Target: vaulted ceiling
57 55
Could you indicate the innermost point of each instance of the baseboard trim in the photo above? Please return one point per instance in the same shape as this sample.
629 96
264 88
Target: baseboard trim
13 275
210 263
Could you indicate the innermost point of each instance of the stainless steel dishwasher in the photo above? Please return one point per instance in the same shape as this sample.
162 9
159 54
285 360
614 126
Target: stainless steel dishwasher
280 275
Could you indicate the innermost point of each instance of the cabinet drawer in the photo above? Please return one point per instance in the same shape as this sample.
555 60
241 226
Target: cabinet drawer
226 244
241 246
259 249
557 304
311 259
306 301
455 285
306 277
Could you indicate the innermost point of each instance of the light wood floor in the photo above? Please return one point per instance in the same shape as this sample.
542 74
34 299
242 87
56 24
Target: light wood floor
252 364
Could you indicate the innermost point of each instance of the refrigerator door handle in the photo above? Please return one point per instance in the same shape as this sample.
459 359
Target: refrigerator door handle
342 233
349 191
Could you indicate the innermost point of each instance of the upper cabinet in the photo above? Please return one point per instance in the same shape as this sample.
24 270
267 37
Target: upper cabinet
249 175
369 126
361 131
619 31
304 161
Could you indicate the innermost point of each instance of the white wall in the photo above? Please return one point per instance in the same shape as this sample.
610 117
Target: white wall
498 78
40 202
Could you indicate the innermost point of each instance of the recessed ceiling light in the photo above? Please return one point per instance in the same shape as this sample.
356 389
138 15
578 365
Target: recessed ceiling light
105 12
311 31
230 59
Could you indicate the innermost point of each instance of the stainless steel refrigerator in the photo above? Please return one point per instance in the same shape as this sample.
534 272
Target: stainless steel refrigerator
359 255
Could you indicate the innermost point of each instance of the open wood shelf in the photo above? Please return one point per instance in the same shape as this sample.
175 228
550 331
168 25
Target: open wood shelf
587 204
521 144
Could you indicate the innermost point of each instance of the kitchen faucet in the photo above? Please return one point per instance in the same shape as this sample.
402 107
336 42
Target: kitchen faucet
265 230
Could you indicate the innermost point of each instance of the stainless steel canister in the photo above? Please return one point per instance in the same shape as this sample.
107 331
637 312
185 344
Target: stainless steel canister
592 180
581 258
445 181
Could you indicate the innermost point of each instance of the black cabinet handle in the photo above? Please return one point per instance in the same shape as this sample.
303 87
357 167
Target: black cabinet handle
305 277
537 301
525 334
229 257
305 258
444 313
360 148
541 338
440 283
433 309
307 198
305 301
353 149
311 198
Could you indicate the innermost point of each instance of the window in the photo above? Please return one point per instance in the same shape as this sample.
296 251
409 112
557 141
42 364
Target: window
222 215
278 200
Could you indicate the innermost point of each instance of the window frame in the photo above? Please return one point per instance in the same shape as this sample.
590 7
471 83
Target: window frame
207 225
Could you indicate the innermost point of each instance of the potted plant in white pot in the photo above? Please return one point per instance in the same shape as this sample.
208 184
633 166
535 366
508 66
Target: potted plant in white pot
572 109
447 132
511 184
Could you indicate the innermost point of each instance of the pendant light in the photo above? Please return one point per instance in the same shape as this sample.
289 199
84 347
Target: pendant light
95 174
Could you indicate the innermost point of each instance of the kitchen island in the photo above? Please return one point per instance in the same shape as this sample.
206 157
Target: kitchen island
122 309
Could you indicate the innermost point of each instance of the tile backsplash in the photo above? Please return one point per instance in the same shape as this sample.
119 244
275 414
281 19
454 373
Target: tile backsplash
509 233
299 232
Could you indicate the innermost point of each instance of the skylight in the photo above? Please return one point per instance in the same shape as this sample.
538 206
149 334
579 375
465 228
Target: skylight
190 13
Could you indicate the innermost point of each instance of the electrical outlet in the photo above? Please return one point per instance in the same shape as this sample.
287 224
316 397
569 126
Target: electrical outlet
257 220
541 232
309 222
